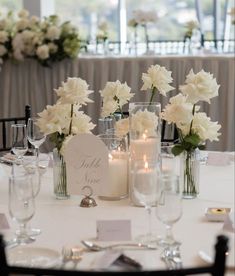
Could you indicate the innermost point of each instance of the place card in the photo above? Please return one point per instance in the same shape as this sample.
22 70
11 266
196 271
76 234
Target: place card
113 230
218 159
86 158
3 222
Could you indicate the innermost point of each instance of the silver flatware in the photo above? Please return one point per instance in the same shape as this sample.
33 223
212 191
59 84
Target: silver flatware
95 247
73 255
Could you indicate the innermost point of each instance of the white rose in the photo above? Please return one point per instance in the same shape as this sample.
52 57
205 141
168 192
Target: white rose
81 123
123 93
65 143
55 118
144 122
3 50
38 38
29 49
3 36
178 111
3 24
158 77
17 54
23 13
115 95
27 35
200 87
74 91
43 51
108 108
34 20
53 33
18 43
22 24
52 47
205 128
122 127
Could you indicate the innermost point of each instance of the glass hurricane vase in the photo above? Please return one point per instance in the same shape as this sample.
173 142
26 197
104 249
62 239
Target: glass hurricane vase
59 176
190 166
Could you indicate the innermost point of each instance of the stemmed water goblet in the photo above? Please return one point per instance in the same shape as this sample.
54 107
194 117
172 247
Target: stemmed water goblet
169 207
21 205
146 188
35 136
19 141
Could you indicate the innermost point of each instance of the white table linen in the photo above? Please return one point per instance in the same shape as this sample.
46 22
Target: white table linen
30 83
63 222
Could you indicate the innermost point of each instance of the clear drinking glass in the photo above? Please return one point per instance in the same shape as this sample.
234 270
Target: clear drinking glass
34 135
145 177
169 207
21 205
19 141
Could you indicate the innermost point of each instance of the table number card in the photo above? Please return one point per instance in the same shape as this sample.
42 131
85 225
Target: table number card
86 159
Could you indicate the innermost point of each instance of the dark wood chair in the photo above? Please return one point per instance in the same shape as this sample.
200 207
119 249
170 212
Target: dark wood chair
215 269
5 124
169 133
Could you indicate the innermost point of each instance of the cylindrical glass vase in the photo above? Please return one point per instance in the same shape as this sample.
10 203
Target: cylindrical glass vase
145 137
190 172
59 176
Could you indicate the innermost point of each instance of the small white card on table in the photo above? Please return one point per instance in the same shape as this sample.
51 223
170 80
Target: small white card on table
113 230
86 159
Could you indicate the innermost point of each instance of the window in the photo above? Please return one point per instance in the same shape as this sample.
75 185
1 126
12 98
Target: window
10 5
172 16
87 14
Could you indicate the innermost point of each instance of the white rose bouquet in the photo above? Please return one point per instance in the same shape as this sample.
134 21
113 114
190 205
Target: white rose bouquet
194 127
63 120
190 26
114 96
45 40
157 78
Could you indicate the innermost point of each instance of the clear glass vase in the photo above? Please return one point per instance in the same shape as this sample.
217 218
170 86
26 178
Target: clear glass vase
59 176
190 172
145 137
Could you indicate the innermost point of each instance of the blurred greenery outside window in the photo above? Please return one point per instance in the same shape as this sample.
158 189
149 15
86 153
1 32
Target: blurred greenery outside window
87 14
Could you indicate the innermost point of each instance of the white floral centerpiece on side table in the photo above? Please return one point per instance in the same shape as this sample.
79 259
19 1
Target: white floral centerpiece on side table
194 127
64 120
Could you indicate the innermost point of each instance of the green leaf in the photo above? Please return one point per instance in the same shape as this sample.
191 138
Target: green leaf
193 139
177 149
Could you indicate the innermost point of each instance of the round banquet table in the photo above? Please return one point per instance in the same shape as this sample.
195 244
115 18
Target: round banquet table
63 222
28 82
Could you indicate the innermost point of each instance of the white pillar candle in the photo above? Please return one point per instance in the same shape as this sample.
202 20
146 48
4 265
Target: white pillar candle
145 146
118 175
145 184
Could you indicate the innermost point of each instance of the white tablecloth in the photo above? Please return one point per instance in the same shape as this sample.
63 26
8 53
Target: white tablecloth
30 83
65 223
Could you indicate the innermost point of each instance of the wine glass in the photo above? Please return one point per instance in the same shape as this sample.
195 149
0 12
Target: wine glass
21 205
169 207
36 171
34 135
19 141
146 188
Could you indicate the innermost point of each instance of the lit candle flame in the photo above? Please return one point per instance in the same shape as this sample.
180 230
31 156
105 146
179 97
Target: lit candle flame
144 157
146 165
110 157
119 149
144 136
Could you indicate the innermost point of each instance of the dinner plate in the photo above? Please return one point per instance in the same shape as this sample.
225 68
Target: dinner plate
33 257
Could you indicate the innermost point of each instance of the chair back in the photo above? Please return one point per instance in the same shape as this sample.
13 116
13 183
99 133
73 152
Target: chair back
5 124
